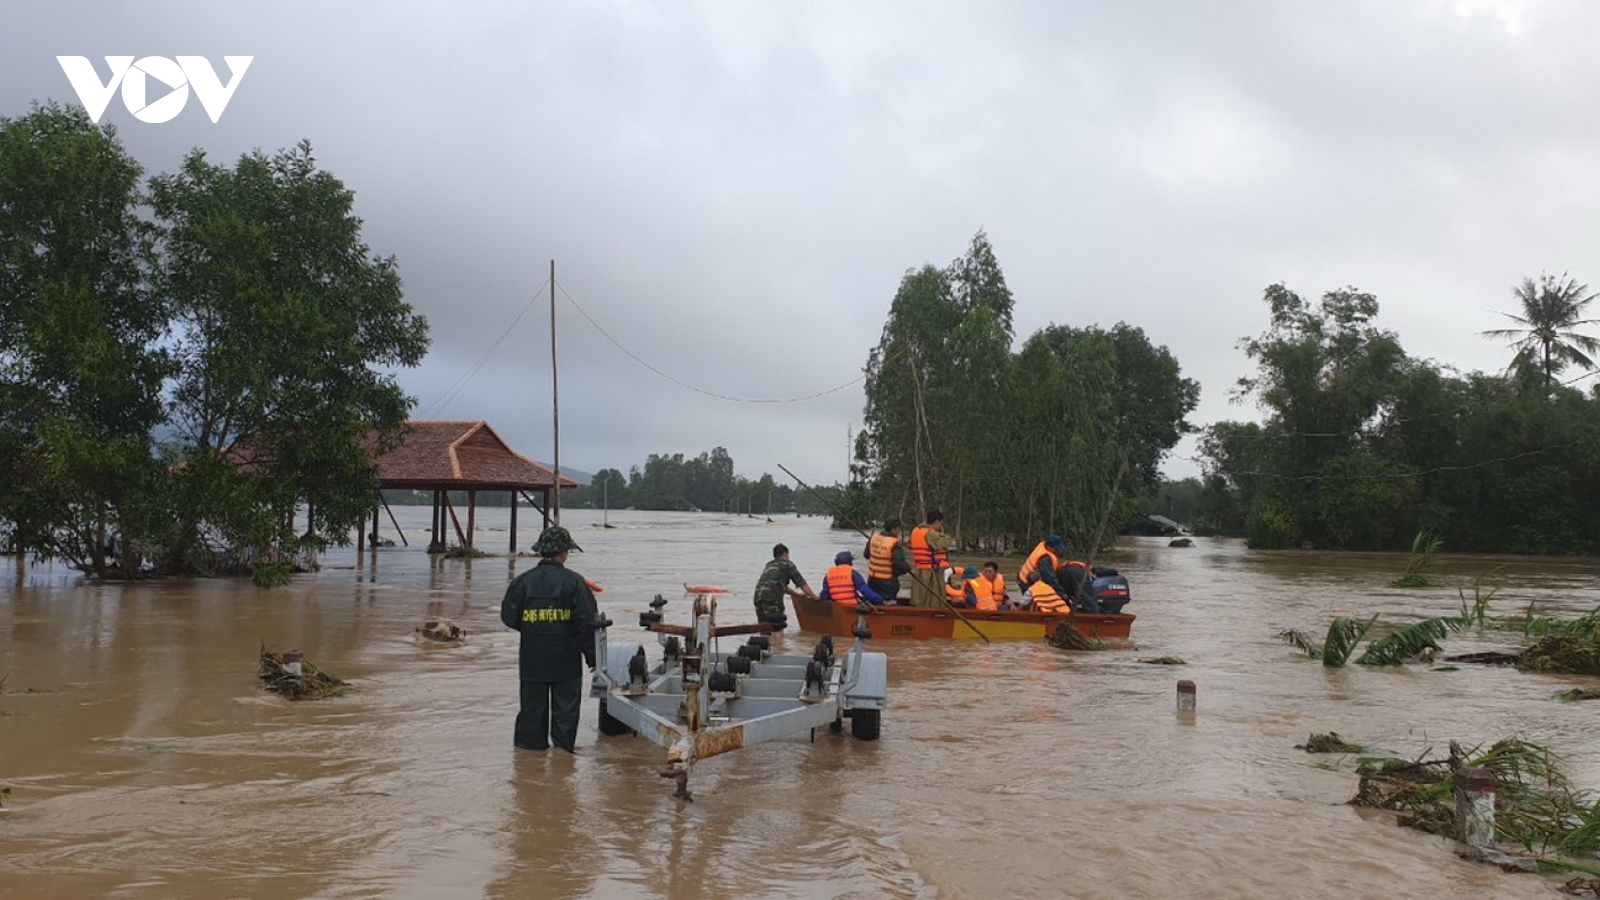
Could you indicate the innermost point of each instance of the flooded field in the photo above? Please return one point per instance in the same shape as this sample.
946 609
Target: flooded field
145 761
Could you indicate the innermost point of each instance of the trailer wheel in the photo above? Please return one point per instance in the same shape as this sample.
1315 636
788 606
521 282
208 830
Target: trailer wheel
865 723
611 725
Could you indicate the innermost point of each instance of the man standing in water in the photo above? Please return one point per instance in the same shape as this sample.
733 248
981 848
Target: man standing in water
554 610
774 583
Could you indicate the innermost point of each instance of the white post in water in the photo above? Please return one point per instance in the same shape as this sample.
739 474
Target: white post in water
1475 790
1186 696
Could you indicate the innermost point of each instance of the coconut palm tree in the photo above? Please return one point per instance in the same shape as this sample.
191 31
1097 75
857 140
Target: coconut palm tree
1545 340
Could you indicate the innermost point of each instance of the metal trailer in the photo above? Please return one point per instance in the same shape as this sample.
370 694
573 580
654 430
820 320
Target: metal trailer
699 702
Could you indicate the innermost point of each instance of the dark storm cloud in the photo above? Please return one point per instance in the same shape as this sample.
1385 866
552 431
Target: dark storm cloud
733 191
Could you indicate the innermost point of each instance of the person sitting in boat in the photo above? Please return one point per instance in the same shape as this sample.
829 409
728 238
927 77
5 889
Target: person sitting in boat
959 589
989 588
844 585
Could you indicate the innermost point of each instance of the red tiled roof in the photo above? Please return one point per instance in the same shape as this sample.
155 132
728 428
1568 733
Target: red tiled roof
458 455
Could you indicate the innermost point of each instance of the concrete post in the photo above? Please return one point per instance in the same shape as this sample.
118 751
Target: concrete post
1475 792
1186 696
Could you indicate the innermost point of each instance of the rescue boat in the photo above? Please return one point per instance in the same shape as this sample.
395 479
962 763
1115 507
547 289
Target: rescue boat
919 623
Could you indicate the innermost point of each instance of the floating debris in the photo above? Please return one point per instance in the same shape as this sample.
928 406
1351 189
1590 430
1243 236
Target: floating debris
1536 808
1577 694
1574 653
1487 658
1180 542
460 551
1329 743
442 631
1164 661
1582 887
290 675
1068 638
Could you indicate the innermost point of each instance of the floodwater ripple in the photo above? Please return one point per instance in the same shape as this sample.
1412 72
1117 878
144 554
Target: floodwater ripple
145 761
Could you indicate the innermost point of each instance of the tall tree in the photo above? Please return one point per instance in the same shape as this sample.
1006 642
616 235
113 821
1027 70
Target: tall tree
1325 376
1546 339
81 361
284 324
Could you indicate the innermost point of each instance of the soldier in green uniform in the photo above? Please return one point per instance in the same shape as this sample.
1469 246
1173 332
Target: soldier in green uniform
774 583
555 612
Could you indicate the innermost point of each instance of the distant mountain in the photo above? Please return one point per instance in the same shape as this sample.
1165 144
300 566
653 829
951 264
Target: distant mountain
578 475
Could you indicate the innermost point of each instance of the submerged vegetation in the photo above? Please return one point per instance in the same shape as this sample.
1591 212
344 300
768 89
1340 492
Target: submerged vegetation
191 359
294 678
1345 635
1424 551
1536 807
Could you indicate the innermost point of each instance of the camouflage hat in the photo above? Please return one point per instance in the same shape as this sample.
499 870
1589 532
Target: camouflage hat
553 540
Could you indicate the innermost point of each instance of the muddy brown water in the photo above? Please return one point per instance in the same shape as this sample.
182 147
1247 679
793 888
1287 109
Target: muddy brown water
145 761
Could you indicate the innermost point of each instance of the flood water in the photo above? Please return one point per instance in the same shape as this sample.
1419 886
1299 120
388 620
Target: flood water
145 760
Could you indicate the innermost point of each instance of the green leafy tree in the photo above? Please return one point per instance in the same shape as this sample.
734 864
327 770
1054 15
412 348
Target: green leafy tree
1325 376
81 361
283 324
1546 339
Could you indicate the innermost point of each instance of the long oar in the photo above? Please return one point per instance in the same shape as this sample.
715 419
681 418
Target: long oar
844 518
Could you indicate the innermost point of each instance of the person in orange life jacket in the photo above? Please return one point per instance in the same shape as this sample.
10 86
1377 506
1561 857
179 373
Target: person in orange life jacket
1044 598
887 560
994 584
960 589
843 584
987 595
1047 563
930 556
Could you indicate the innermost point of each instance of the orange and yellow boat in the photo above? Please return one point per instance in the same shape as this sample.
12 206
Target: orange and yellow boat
919 623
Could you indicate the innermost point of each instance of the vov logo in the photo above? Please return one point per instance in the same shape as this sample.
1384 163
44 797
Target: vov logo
134 77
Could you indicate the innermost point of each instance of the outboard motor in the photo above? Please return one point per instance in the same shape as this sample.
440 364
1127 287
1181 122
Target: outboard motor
1109 589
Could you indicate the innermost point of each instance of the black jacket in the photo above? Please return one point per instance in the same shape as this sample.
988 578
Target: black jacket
555 611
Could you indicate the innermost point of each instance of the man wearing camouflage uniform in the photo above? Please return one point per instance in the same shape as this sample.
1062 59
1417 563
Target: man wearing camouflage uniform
555 612
774 584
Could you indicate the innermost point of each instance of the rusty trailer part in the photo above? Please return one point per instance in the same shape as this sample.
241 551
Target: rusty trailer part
700 702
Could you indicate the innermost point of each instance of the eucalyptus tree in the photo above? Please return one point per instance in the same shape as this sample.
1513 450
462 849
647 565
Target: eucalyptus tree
81 363
1546 339
283 323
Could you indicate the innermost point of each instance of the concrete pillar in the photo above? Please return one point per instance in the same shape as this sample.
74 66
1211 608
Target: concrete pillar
1475 792
1186 696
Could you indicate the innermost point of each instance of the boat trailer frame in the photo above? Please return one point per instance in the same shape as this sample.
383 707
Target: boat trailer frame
699 702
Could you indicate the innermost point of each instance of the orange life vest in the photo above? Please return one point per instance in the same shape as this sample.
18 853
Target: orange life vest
957 595
1031 567
983 592
1046 600
924 556
841 581
997 587
880 556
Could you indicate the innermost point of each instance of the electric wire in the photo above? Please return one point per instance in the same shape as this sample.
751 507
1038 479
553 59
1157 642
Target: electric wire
686 385
460 384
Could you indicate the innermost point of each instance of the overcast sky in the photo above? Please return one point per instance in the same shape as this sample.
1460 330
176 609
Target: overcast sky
732 191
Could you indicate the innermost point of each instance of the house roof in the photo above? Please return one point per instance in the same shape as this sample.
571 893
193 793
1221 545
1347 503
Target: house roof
456 455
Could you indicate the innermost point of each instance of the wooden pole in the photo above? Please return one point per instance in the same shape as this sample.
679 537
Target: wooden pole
513 548
472 516
555 396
